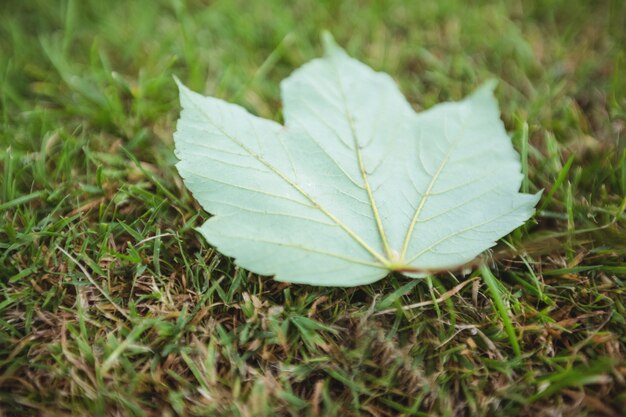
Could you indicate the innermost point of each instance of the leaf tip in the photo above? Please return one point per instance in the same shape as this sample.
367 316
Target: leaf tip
536 197
179 83
486 88
486 92
328 41
489 85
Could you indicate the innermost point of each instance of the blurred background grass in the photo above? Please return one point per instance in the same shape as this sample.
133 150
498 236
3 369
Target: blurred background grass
110 303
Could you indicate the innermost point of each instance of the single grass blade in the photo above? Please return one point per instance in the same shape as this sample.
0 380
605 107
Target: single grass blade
501 309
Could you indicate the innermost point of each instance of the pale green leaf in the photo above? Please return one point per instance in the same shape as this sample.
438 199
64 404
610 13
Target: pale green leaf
355 184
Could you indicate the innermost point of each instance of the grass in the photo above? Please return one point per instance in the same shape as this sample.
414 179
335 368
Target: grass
111 303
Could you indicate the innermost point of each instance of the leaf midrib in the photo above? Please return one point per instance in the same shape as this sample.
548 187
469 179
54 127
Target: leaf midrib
355 143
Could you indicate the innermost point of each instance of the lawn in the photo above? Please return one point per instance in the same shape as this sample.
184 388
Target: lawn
111 304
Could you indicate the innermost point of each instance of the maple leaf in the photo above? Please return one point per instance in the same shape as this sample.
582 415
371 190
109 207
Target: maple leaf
356 183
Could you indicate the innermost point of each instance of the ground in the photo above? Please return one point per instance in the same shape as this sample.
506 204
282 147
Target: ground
112 304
